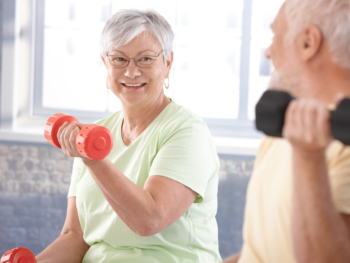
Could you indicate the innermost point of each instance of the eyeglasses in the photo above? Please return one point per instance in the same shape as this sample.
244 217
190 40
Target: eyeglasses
142 61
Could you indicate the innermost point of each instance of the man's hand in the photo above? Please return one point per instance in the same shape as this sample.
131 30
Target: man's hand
319 231
307 126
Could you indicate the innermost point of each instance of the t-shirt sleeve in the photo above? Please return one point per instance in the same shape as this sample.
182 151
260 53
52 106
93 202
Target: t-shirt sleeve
188 156
77 164
340 180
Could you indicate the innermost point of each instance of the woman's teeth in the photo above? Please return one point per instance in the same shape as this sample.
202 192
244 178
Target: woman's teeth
134 85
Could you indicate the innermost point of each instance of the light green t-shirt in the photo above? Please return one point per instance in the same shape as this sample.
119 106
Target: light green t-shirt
177 145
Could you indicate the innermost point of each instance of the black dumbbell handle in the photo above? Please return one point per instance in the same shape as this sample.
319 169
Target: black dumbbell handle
272 106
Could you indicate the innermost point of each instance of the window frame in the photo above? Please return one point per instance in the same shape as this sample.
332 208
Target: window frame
241 127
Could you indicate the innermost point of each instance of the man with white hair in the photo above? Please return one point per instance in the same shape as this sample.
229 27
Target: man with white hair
298 199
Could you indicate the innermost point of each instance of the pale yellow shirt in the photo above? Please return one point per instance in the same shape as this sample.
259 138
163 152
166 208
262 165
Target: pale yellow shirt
267 223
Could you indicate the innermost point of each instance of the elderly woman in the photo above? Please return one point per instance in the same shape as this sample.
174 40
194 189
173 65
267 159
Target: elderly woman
154 198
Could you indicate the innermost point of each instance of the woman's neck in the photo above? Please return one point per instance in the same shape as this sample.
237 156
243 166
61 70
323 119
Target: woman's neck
137 119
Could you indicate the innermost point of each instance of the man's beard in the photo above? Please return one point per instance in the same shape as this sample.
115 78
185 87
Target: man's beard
286 82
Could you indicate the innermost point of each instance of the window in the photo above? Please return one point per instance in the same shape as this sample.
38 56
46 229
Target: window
219 68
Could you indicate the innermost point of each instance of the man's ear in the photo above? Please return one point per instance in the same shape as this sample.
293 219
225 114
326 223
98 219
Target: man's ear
309 43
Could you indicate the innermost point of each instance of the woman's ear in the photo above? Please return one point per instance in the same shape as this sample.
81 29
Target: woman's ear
169 62
104 60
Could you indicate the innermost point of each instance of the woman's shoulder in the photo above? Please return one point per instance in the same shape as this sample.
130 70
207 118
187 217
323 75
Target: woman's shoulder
180 115
177 119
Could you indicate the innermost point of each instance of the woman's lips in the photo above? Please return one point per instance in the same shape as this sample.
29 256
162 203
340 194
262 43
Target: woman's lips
134 86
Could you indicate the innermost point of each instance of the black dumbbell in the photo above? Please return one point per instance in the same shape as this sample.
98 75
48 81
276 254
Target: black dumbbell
272 106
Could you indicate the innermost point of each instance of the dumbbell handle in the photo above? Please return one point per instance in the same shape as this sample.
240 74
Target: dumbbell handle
271 108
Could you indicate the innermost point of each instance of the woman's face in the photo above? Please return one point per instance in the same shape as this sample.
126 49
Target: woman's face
150 80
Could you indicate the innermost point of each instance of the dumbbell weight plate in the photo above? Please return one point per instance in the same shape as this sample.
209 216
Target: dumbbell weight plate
340 122
94 141
270 111
52 126
18 255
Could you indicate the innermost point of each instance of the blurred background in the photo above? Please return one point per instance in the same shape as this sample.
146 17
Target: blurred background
50 63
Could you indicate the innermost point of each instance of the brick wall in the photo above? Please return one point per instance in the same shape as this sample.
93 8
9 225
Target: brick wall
34 182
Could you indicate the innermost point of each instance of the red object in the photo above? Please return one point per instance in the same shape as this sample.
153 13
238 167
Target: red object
93 141
18 255
52 126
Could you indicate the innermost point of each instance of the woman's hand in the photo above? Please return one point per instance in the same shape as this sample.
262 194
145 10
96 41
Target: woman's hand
67 135
307 126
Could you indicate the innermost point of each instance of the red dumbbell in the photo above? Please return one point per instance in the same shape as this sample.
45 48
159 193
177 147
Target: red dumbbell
93 141
18 255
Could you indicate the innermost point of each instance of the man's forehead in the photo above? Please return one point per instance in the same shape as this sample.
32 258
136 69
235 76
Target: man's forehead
281 15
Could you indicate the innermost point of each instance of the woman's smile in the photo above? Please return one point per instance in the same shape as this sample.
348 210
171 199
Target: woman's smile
134 86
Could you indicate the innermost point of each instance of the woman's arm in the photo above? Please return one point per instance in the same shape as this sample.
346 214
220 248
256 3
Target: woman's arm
146 211
70 245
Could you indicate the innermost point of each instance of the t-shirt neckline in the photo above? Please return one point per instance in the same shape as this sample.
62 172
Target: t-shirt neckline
148 127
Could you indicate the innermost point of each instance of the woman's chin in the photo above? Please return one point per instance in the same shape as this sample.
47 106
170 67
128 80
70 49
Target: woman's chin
133 98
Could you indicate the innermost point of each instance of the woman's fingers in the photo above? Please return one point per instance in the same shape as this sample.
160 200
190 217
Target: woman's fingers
64 137
69 139
59 135
72 141
67 135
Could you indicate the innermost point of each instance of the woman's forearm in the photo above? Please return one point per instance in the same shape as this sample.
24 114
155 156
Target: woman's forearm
318 231
133 204
67 247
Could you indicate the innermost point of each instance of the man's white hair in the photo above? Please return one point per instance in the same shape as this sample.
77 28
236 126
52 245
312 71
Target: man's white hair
333 19
125 25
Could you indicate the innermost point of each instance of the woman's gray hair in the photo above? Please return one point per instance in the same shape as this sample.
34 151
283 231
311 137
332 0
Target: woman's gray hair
333 19
125 25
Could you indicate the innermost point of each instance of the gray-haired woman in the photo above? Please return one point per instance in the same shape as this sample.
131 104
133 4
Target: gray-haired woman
154 198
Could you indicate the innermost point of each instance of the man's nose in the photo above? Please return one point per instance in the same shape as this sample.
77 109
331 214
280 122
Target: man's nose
132 70
268 53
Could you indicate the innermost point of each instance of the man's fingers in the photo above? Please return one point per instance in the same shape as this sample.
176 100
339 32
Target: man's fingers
307 124
338 98
323 122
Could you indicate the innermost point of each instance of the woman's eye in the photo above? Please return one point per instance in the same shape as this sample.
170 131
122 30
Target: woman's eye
119 59
146 59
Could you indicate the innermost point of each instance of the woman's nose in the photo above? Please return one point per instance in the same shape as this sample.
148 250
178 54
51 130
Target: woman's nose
132 70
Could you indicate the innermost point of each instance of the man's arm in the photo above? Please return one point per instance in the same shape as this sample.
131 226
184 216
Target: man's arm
233 259
70 245
319 233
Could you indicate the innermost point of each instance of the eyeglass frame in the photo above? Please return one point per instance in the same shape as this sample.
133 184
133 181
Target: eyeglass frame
107 55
